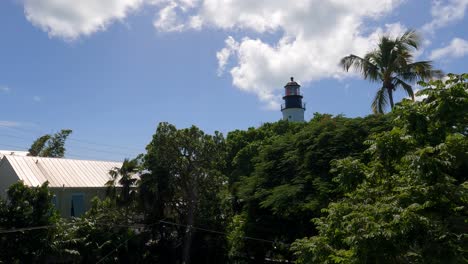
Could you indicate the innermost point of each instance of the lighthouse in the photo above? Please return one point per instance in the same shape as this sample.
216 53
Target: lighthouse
293 109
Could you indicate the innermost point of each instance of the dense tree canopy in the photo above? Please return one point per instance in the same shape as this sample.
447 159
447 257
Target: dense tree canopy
26 207
407 204
378 189
280 178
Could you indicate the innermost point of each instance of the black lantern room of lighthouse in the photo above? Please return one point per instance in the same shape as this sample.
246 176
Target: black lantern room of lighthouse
293 96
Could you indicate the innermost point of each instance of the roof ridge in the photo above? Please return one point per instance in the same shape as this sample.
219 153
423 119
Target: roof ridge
56 158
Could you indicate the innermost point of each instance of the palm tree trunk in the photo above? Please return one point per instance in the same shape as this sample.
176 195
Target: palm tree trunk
390 96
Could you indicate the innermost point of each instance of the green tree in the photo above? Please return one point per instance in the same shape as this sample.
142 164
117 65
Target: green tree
280 179
391 64
105 234
38 145
188 163
27 207
126 177
50 145
407 203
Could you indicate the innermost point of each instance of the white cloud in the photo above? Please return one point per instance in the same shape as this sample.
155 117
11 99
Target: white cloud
173 16
457 48
223 55
316 34
5 89
196 22
446 12
37 98
168 20
71 19
4 123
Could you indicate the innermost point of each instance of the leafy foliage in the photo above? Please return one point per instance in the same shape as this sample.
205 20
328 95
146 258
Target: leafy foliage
381 189
26 207
391 63
184 184
50 145
409 205
280 180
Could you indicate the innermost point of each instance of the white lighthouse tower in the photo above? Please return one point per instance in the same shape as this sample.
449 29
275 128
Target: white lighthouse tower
293 109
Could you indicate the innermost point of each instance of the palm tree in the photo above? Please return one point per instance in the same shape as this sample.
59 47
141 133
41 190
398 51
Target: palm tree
125 176
391 64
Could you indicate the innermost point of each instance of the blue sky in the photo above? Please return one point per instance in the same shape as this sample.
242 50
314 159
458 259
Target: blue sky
112 70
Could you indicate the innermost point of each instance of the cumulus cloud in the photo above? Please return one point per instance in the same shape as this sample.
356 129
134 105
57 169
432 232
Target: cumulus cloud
457 48
446 12
316 35
313 34
71 19
168 20
231 48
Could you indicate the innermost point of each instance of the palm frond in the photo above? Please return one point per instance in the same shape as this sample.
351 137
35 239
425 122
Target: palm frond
380 101
410 38
362 65
416 71
408 88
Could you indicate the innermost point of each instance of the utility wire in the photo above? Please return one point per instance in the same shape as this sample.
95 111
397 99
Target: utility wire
217 232
14 230
121 244
3 231
72 139
67 155
73 146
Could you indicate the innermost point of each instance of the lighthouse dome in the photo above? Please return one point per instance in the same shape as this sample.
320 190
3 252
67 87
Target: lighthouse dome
292 83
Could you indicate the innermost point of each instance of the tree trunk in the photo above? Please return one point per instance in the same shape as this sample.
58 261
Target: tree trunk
188 230
390 96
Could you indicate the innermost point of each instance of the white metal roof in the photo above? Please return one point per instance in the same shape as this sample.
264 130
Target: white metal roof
34 171
13 152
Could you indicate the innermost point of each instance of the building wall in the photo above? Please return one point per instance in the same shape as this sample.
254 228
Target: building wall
293 114
7 177
64 197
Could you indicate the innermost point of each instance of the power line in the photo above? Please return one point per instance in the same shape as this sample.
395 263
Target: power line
121 244
13 146
218 232
98 150
103 144
71 139
136 225
14 230
66 155
73 146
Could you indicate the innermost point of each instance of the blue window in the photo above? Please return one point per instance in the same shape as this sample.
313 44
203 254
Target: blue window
54 201
77 205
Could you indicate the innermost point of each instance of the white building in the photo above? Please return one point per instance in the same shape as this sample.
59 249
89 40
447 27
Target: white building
73 182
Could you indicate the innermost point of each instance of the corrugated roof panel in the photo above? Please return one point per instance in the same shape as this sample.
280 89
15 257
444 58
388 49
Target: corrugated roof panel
59 172
25 173
60 168
54 173
35 171
90 173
